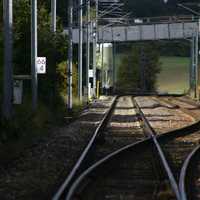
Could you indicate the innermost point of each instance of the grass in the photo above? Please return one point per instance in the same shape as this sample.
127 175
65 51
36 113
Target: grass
174 76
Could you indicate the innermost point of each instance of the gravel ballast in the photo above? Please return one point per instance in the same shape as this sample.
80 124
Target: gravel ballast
40 170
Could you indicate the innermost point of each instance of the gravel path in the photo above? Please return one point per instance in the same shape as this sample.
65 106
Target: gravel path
37 173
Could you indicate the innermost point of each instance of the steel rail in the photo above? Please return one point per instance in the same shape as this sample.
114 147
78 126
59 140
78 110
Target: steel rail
152 137
166 166
103 161
185 172
79 164
176 133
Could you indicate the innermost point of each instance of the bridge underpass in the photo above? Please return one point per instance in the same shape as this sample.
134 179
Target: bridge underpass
142 32
170 30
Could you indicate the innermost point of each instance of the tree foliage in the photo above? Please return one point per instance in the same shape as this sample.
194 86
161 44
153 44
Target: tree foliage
51 45
139 68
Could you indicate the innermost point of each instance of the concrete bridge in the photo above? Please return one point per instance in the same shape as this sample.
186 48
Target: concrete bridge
142 32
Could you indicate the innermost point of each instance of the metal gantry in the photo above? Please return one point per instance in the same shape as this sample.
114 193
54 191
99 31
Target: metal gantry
103 10
110 13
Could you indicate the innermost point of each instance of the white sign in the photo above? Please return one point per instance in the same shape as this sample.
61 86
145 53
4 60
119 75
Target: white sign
17 92
41 65
91 73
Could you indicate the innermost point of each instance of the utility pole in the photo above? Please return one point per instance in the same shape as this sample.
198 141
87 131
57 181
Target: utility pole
195 50
95 39
192 65
34 53
8 67
80 52
196 62
88 46
102 63
53 15
70 55
94 61
114 64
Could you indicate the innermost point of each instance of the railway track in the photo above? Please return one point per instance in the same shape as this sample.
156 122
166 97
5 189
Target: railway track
189 182
120 127
177 147
132 161
123 128
181 149
85 159
119 176
125 174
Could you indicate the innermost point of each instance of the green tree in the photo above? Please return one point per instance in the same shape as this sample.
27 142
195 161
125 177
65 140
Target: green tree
138 70
53 46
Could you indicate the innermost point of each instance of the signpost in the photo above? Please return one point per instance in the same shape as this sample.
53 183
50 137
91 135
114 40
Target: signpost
41 65
91 73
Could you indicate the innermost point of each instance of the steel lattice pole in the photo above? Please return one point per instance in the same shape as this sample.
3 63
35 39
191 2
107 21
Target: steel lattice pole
8 67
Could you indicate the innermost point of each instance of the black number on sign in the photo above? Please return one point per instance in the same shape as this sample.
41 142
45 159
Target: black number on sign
42 68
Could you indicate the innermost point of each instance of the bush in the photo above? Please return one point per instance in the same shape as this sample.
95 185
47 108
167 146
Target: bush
26 124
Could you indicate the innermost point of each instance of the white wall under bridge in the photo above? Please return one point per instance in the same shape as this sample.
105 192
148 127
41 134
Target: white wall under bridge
142 32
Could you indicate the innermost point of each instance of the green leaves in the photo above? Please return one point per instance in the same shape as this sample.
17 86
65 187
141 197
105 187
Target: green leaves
138 70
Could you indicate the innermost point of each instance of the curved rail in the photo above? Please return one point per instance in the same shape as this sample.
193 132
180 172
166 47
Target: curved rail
153 134
152 138
185 171
79 164
175 133
103 161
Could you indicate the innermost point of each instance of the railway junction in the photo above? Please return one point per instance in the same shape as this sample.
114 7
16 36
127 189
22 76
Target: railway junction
141 145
